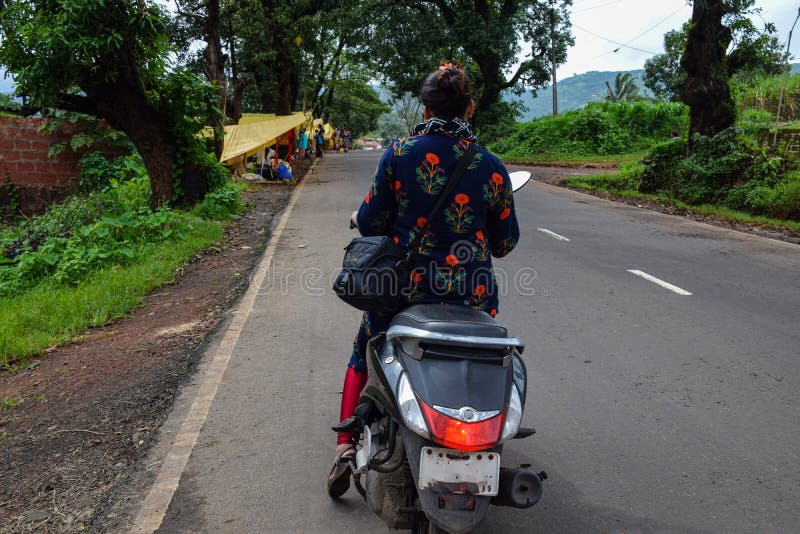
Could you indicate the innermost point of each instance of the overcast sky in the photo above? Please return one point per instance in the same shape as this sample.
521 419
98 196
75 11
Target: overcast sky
641 24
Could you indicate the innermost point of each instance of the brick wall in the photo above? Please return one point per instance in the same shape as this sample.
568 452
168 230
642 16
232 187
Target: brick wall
39 179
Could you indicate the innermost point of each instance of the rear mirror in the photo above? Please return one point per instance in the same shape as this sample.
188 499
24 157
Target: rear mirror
519 179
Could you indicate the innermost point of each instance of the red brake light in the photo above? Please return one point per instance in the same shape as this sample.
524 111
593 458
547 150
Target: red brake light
459 435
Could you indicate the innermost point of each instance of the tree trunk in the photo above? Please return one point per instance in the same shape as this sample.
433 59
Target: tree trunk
283 95
131 113
215 66
707 92
490 94
238 95
283 69
123 104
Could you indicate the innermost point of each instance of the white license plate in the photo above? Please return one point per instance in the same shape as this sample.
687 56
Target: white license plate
453 467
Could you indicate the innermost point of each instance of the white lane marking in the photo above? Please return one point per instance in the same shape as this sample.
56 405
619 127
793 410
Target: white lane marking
662 283
158 499
553 234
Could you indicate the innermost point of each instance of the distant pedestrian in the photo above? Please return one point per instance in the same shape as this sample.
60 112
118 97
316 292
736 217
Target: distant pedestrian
302 143
346 137
320 142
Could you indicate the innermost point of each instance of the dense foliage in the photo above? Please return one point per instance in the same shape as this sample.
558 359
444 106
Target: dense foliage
107 58
727 169
108 226
754 52
598 129
488 37
762 93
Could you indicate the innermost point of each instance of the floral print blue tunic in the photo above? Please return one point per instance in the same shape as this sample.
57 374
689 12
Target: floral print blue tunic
454 258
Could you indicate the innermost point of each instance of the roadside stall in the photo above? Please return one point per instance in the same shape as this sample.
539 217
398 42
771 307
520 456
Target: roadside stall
255 134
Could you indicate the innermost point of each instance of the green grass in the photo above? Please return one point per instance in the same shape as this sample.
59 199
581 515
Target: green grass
49 314
619 184
567 159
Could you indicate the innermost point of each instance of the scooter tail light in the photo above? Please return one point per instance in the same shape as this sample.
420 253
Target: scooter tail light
460 435
513 415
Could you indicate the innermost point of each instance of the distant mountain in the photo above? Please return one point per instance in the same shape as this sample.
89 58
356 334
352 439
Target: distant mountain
577 91
574 92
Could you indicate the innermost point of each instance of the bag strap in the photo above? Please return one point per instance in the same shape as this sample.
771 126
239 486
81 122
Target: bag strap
452 182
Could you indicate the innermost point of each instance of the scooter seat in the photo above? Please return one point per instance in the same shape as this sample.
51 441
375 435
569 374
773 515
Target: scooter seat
450 320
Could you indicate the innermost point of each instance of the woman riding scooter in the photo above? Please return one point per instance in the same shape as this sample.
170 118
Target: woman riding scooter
453 263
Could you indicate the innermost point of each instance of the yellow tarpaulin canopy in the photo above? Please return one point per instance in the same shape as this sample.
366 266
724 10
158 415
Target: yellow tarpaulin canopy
255 131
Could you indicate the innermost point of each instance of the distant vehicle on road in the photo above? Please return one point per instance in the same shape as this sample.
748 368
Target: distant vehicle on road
367 143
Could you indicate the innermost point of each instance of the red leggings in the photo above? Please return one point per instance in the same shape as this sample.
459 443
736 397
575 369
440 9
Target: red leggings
354 382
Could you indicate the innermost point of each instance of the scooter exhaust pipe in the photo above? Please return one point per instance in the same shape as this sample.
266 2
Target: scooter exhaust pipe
519 488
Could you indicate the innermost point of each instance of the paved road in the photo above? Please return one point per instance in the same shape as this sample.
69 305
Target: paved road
656 412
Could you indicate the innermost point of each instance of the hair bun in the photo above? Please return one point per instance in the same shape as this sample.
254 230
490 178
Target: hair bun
451 80
447 91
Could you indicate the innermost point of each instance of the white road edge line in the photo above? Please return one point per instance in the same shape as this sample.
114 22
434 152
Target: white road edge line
159 497
665 285
553 234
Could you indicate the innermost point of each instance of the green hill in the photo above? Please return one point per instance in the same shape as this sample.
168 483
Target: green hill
573 93
577 91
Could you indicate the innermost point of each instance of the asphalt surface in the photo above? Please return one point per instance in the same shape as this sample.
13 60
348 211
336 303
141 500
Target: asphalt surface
655 412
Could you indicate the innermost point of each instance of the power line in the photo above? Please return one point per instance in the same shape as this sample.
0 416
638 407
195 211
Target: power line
657 24
645 32
622 45
598 6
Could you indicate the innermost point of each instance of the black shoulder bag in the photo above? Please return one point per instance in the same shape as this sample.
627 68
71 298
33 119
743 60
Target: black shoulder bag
376 272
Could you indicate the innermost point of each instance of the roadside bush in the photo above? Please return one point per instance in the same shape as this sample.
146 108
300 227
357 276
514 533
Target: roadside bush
701 176
598 129
779 199
763 93
751 121
105 227
222 203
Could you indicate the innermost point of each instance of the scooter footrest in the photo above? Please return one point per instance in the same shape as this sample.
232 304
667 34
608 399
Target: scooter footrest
351 424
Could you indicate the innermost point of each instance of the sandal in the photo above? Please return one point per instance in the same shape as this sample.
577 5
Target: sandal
339 479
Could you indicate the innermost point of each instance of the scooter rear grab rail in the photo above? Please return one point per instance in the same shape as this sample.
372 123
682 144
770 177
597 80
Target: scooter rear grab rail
400 332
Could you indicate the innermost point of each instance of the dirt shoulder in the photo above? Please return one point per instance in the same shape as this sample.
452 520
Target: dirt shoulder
556 175
88 409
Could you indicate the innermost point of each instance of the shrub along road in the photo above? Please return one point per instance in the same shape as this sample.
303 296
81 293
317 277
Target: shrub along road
661 357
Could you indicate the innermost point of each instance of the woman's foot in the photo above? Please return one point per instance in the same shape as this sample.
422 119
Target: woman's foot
339 479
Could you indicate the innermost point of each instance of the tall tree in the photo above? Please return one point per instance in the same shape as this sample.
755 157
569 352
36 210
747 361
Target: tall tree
408 39
106 58
707 92
753 51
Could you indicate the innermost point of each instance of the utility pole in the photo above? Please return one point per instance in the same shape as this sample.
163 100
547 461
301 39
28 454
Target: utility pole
783 81
553 57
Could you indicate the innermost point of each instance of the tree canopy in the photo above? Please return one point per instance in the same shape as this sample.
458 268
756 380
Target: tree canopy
750 52
107 58
490 38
